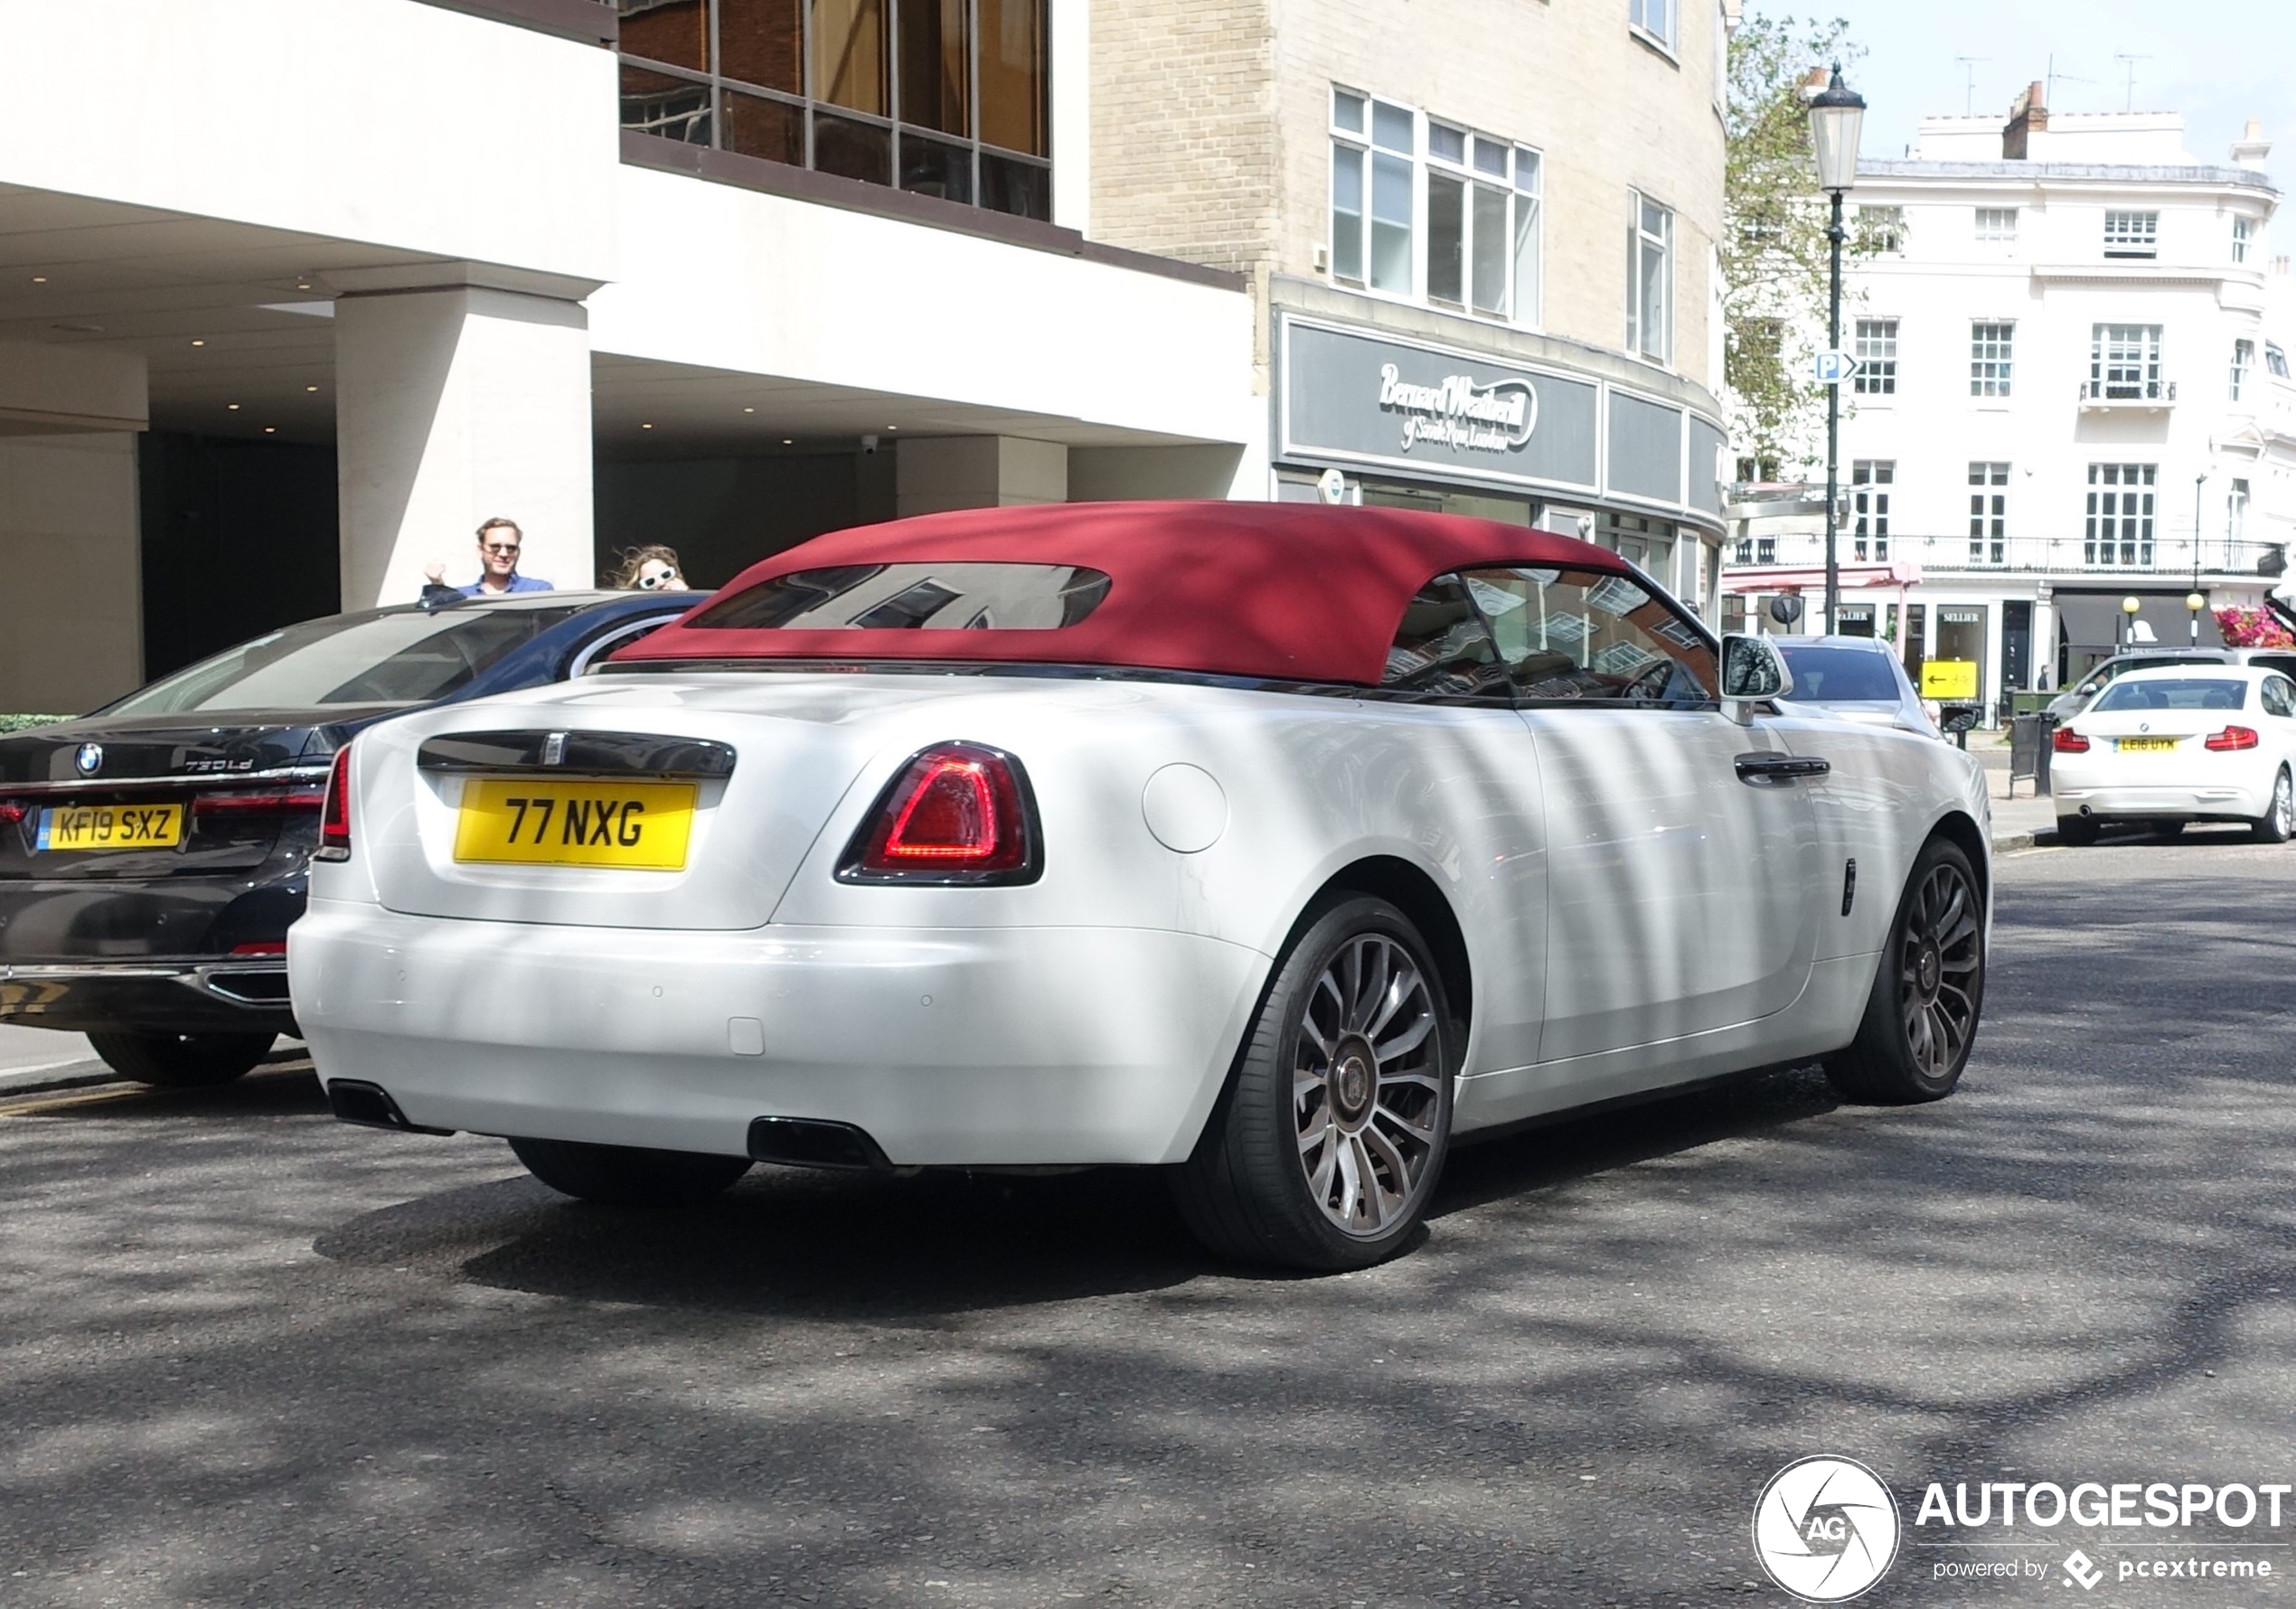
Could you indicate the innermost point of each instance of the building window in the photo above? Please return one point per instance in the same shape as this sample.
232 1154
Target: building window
1997 224
1649 278
2235 521
1374 149
1877 355
2124 362
1721 24
1653 19
2275 361
1882 229
1991 353
1869 483
2120 515
944 97
2133 234
2243 358
2242 228
1988 513
1482 219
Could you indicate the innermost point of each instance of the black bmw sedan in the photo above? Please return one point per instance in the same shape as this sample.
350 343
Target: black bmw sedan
152 854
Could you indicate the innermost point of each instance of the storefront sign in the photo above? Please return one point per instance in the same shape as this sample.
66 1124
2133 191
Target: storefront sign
1949 679
1363 398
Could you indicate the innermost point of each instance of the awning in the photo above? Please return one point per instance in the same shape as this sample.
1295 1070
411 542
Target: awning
2094 620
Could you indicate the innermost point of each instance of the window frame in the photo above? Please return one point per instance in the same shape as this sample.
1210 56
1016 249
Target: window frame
2131 501
2243 365
1639 204
1877 374
1989 481
2244 233
1872 483
1665 39
1992 358
808 104
2132 234
2126 348
1995 233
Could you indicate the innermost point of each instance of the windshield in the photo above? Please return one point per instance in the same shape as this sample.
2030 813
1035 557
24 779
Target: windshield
403 656
1840 675
2183 692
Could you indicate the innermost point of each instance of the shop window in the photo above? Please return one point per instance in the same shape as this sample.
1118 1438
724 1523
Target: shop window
942 97
1649 278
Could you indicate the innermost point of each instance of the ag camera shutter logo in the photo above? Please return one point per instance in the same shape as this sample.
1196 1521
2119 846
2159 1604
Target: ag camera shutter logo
1825 1529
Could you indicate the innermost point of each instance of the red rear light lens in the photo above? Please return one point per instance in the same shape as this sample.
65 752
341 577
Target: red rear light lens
2068 742
258 802
2231 737
268 946
958 813
334 814
13 811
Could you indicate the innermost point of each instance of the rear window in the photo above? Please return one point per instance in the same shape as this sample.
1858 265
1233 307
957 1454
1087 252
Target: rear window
967 596
1840 675
401 657
2183 692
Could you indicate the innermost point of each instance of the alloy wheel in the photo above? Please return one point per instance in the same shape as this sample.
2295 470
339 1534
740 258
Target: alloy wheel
2284 807
1942 949
1367 1085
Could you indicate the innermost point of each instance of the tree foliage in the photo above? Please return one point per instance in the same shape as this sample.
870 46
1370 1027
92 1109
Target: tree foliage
1774 237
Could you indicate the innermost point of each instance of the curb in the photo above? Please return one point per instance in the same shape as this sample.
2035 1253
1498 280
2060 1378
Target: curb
85 1075
2009 844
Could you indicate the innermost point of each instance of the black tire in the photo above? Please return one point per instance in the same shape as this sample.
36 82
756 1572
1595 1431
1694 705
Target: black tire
629 1175
181 1060
1261 1187
2078 831
2279 819
1929 988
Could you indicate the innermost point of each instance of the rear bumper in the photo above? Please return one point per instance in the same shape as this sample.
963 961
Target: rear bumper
968 1046
2126 802
160 996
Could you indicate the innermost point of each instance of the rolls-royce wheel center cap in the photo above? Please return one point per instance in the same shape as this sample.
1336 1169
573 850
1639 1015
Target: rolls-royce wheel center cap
90 759
1353 1079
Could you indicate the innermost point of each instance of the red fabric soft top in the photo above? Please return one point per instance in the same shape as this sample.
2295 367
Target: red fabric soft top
1285 590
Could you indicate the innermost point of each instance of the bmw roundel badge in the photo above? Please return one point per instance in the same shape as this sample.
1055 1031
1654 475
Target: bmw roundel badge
90 757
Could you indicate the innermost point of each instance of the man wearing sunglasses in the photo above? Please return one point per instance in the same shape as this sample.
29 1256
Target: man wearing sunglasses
498 543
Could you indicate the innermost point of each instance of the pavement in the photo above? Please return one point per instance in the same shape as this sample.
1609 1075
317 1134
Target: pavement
255 1357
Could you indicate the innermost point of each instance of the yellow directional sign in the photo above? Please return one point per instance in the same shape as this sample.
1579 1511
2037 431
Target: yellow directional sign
1949 680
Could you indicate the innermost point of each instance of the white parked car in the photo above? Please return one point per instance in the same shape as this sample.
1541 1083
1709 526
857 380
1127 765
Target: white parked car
1278 846
2192 743
1855 678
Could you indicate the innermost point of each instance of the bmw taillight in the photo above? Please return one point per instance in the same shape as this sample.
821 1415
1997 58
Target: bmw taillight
258 802
2231 737
957 813
335 811
2068 742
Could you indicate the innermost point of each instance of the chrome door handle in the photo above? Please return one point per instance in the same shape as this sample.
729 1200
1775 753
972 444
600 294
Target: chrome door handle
1764 766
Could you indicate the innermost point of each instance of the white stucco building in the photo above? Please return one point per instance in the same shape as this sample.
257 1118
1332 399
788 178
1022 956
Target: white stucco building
2072 391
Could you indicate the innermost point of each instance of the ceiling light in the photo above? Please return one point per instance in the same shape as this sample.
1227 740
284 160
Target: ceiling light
310 388
303 285
40 278
199 343
892 427
270 429
232 405
645 426
789 441
749 410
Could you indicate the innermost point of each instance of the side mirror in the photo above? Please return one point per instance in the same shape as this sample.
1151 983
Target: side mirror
1753 670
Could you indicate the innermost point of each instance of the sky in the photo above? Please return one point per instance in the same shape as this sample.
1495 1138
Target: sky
2218 62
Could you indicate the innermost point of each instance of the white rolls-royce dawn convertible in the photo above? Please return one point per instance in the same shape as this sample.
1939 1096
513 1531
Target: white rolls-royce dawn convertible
1275 845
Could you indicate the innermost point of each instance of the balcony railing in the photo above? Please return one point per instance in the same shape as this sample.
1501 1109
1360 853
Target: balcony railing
2023 555
2127 393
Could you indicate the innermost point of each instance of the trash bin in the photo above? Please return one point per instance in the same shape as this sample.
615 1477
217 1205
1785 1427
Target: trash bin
2030 740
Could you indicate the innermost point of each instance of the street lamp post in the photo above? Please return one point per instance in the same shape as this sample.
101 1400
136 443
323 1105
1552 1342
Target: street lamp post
2129 608
2196 603
1837 112
2193 600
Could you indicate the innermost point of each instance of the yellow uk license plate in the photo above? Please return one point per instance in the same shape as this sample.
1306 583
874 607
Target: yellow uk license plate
2146 745
110 826
634 825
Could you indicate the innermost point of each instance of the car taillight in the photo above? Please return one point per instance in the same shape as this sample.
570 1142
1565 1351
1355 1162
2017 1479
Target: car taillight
958 813
258 802
13 811
2231 737
264 947
334 814
2068 742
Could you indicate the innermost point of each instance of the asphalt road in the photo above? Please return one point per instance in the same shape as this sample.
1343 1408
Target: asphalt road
250 1356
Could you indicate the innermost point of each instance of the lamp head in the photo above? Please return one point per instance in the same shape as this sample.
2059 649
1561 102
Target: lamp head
2130 606
1837 113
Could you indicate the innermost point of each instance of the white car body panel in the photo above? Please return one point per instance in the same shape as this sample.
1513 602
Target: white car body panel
1632 915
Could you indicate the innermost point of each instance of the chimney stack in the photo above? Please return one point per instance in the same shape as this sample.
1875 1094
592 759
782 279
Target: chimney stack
2028 115
2251 147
